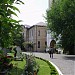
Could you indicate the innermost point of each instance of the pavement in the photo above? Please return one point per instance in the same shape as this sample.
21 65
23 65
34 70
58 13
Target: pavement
66 63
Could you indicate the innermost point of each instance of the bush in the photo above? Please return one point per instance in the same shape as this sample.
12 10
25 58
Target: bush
5 62
31 65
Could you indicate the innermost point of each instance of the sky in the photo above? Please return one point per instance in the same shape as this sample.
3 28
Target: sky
32 11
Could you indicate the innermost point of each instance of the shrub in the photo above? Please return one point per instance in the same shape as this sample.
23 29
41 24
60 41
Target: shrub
31 65
5 62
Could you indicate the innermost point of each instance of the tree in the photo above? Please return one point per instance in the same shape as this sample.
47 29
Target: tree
8 26
28 45
18 40
61 20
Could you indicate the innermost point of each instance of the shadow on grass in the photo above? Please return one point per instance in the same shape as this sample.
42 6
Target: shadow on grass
18 67
16 71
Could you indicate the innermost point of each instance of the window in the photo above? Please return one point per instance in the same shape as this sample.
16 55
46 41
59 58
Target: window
45 43
39 33
38 44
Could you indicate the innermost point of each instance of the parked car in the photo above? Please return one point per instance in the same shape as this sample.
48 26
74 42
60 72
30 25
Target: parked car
60 51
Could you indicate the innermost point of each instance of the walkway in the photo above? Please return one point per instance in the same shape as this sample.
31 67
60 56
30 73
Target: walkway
66 63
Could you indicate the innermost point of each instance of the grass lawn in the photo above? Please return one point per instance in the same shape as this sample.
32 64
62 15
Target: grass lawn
44 67
18 67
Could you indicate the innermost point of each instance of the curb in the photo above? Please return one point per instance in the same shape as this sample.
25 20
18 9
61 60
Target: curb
59 72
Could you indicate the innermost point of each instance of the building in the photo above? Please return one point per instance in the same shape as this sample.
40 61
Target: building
50 3
49 38
25 32
36 34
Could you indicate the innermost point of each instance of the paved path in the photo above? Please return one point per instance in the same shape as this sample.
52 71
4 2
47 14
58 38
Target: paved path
66 63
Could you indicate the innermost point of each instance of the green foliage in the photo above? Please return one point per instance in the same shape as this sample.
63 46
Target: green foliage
5 62
61 19
28 45
31 65
18 67
8 26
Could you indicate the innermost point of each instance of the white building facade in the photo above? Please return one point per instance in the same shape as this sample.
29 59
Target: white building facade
49 34
49 38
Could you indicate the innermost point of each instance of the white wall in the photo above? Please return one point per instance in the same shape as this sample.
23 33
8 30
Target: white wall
50 3
49 38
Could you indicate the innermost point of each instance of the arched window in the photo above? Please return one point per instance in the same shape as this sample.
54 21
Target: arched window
52 43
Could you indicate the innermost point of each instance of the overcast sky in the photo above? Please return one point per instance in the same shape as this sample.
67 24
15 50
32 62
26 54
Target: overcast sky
32 11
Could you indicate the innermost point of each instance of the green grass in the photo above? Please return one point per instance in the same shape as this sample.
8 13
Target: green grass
18 67
44 68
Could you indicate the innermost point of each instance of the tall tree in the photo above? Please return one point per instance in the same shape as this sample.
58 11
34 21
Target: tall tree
8 26
61 20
